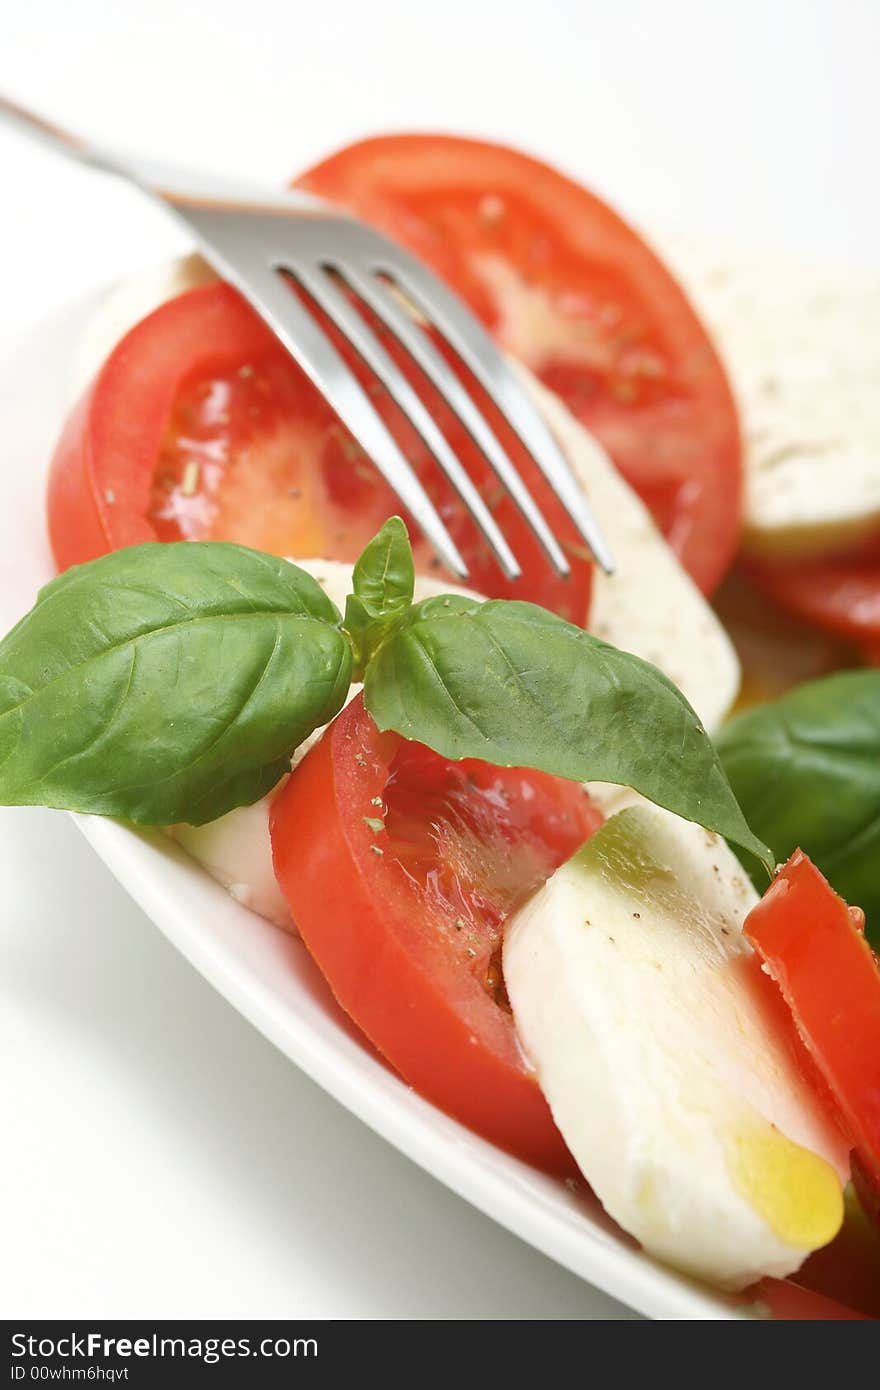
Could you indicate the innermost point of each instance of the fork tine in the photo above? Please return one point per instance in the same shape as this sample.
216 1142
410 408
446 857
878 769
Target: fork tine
476 349
309 345
243 233
418 344
358 332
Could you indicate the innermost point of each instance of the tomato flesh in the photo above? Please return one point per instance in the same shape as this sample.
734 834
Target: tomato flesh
200 426
400 869
815 949
256 456
565 285
840 595
786 1301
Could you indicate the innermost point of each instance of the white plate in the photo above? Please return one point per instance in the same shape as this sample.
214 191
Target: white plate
268 976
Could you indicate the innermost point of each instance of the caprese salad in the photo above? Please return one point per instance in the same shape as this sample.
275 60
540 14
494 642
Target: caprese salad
567 897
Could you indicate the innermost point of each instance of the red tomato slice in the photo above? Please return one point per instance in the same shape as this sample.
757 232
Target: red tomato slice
784 1301
199 425
815 950
848 1270
400 869
840 595
564 284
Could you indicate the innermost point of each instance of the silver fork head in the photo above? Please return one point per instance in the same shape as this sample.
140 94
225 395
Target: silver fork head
253 238
331 256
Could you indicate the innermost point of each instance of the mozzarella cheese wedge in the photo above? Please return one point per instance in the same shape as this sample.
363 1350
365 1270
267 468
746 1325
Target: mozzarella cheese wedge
649 606
236 851
640 1005
803 348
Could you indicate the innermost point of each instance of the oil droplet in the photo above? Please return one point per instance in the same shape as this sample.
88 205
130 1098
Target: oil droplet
796 1192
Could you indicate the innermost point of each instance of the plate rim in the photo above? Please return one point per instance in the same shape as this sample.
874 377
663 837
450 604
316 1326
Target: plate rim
527 1203
627 1274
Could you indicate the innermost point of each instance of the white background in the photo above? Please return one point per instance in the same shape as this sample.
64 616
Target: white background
158 1157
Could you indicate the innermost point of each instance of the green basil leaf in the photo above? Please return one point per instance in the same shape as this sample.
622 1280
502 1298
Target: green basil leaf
806 770
512 684
384 576
167 682
383 581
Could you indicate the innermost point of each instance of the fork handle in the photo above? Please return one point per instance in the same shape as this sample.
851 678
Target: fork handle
180 187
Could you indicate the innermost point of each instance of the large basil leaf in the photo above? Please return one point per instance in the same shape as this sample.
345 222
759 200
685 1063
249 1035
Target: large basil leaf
512 684
166 682
806 770
383 580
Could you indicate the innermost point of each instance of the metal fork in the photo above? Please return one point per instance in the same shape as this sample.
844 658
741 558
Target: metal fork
257 239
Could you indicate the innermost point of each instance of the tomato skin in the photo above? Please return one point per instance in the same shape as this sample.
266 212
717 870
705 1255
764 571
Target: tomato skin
841 595
786 1301
815 949
103 466
565 284
76 520
357 915
202 387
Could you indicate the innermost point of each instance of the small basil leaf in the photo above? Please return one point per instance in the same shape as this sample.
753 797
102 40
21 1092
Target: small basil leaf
806 770
166 682
511 684
384 576
383 580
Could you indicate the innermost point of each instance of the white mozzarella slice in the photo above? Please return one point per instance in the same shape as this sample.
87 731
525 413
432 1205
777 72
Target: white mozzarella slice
802 345
236 851
649 606
637 1000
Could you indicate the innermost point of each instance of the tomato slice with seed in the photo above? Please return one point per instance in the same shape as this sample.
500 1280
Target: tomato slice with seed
201 426
565 285
400 869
